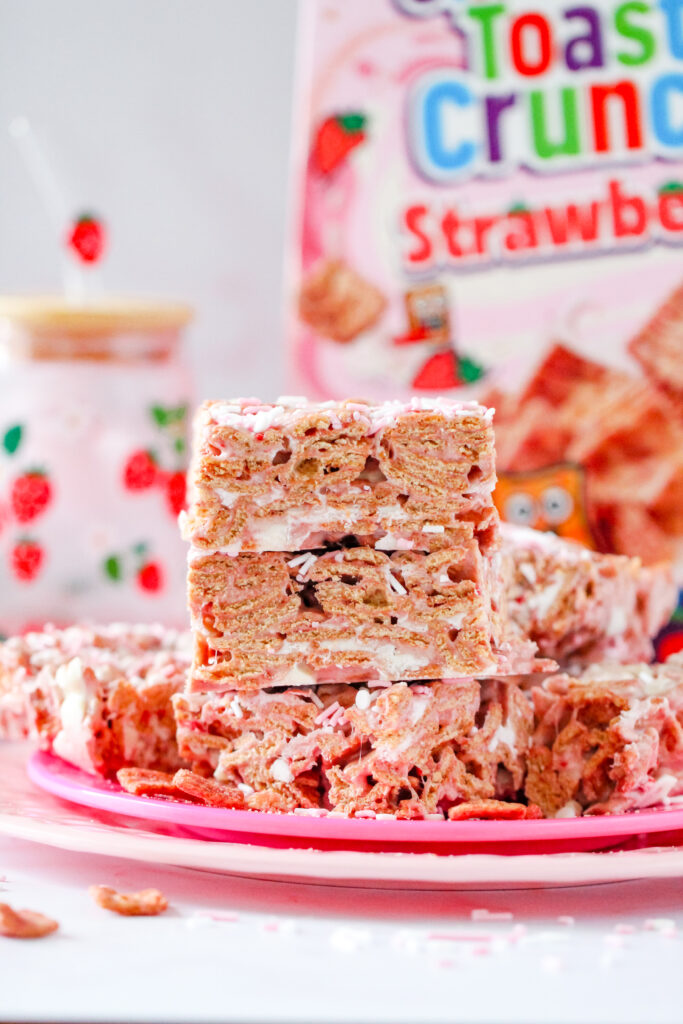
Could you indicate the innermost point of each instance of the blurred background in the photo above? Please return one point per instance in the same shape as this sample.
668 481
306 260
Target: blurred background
172 120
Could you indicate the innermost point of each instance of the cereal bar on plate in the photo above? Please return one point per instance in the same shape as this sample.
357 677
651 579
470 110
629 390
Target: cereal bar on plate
580 606
610 740
350 615
100 697
402 749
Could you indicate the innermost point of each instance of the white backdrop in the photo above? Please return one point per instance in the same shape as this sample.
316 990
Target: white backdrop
171 118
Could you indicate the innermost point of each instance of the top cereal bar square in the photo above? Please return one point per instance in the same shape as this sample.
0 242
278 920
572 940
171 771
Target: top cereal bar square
295 475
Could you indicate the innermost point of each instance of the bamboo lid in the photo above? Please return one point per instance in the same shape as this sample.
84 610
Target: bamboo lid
53 314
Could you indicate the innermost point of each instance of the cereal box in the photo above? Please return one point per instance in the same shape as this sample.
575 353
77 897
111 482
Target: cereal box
488 203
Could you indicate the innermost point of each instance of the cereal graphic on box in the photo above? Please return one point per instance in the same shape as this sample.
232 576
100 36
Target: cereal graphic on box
509 178
338 303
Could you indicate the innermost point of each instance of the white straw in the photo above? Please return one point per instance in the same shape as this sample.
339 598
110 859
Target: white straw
52 198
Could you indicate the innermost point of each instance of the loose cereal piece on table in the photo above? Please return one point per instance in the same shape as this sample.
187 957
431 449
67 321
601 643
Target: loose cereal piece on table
25 924
147 903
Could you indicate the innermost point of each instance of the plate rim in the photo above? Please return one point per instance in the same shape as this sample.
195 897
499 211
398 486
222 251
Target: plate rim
56 776
320 866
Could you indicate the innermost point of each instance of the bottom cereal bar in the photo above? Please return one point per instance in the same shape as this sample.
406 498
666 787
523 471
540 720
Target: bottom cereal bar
409 750
580 606
609 740
99 697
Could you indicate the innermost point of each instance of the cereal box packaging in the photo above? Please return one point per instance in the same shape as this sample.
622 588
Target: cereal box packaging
488 203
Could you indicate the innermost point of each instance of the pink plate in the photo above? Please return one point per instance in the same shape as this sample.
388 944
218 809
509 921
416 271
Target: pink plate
510 837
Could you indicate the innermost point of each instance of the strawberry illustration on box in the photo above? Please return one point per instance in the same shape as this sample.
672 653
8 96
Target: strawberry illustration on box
335 138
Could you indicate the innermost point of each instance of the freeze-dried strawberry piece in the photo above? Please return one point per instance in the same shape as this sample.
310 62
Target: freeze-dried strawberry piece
147 782
209 791
24 924
496 810
147 903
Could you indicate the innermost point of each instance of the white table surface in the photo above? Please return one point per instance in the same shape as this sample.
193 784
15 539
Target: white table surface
238 949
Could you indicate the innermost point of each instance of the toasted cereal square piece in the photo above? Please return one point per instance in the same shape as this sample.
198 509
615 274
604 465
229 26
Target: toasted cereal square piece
295 476
147 903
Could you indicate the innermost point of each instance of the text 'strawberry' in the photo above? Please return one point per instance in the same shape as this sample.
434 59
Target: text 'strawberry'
150 577
26 560
176 487
30 495
87 238
140 471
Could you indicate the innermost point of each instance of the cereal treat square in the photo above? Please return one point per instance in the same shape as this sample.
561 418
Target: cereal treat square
607 741
580 606
295 476
99 697
404 750
355 614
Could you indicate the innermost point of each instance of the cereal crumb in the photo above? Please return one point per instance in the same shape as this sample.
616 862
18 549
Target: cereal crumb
131 904
24 924
481 914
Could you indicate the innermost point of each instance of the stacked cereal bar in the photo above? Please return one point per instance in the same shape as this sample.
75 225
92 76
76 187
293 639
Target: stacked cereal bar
364 638
345 542
345 586
100 697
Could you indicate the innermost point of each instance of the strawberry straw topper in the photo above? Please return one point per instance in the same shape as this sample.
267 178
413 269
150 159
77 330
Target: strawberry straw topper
87 238
336 136
82 237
